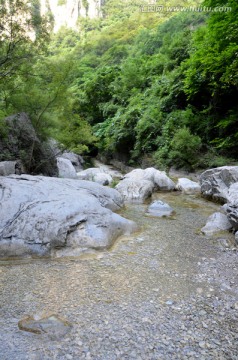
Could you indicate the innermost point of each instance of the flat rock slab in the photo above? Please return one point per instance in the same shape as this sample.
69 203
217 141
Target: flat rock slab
52 325
160 209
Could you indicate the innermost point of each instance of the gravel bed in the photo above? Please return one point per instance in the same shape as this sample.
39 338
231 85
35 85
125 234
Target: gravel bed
165 293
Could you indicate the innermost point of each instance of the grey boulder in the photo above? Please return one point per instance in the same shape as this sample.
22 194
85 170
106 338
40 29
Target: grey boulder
215 183
40 216
215 223
188 186
76 160
66 169
7 168
138 185
160 209
232 205
95 174
23 143
135 191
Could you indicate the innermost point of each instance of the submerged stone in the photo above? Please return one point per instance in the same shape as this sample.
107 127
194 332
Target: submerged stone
51 325
160 208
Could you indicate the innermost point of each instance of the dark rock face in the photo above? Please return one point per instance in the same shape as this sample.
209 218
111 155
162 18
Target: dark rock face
22 143
47 216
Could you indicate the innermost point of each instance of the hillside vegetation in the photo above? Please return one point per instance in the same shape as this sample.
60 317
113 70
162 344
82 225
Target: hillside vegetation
156 88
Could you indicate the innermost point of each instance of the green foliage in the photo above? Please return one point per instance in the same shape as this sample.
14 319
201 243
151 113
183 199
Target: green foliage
76 135
185 149
3 129
130 83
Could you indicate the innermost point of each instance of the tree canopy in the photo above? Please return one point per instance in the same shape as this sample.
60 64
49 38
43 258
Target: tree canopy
157 87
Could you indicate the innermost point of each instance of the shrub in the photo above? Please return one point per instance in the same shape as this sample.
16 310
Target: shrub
185 149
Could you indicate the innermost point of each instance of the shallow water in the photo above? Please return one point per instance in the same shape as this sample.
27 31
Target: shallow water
167 262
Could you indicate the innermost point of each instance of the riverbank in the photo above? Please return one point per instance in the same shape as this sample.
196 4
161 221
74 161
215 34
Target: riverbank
165 293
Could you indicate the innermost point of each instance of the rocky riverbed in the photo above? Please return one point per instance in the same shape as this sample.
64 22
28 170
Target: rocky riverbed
164 293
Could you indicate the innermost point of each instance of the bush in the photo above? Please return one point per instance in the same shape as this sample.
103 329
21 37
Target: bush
185 149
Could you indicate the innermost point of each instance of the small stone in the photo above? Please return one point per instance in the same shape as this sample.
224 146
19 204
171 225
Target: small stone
202 344
202 312
169 302
199 290
69 357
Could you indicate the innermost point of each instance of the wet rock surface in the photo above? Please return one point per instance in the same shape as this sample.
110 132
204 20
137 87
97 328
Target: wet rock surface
159 208
51 325
166 293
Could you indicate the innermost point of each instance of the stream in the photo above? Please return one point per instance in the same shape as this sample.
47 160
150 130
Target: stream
166 292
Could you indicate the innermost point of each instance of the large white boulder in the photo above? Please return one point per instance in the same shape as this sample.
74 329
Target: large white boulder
40 215
188 186
215 183
138 185
135 191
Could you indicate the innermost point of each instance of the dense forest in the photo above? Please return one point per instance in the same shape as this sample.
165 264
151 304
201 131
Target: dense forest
149 88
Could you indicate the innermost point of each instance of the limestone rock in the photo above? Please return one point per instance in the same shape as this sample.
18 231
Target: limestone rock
40 215
138 185
160 209
7 168
76 160
215 183
95 174
232 205
66 169
215 223
188 186
68 12
135 191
